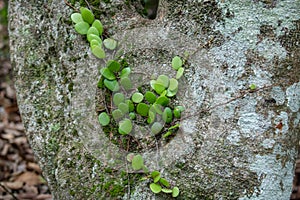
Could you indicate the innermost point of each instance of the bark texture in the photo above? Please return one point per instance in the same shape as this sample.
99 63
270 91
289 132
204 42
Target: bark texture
234 143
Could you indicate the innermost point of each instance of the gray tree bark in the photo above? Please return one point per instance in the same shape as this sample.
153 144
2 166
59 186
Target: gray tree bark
233 143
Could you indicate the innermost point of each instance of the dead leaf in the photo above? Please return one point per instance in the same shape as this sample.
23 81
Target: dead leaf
16 185
30 178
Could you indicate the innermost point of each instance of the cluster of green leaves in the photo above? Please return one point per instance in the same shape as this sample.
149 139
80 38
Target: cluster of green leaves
158 184
85 24
152 105
115 78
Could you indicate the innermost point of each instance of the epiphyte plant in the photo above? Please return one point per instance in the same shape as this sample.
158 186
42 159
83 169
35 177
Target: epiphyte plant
152 106
85 24
158 183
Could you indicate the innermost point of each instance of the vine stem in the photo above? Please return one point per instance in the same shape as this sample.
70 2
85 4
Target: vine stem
70 5
243 94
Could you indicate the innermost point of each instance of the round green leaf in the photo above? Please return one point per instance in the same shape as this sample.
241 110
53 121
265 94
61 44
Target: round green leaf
95 43
164 182
172 93
87 15
130 105
110 44
98 52
165 190
117 114
163 80
175 192
167 115
125 72
151 116
152 82
104 119
252 86
98 25
137 162
176 62
132 115
156 128
177 111
93 30
126 83
163 100
118 98
107 74
113 65
100 83
158 108
173 84
150 97
112 85
159 87
155 188
155 176
181 108
76 18
123 107
137 97
91 37
142 109
179 72
82 28
125 127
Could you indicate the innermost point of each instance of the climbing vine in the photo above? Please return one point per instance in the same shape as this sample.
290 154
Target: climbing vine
151 105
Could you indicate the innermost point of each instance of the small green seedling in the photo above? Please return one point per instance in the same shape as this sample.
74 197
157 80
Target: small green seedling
252 86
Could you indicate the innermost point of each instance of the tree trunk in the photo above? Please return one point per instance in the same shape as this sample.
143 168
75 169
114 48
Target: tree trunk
234 142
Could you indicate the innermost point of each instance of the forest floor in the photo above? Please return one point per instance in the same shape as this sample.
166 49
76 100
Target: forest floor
20 175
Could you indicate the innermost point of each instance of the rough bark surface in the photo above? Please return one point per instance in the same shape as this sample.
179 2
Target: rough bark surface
234 143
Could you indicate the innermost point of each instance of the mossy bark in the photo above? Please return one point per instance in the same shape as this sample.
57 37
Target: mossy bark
234 143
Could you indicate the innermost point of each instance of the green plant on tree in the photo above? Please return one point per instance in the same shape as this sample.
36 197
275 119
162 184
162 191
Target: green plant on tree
129 104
